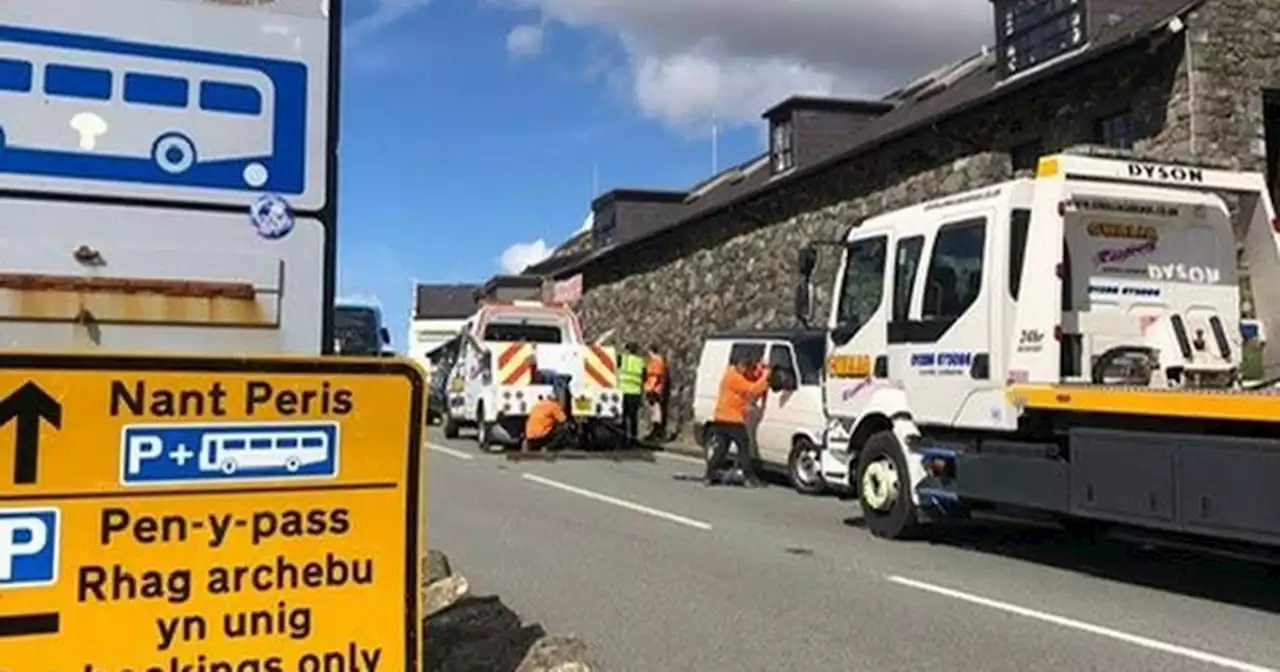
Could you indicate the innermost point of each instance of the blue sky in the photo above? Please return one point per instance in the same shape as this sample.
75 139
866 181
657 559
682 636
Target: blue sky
453 149
472 125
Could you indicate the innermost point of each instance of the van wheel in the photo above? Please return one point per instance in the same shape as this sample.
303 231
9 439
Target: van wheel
804 468
883 489
450 427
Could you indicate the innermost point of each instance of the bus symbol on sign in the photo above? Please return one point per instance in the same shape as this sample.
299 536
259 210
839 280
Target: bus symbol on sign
167 454
180 117
28 547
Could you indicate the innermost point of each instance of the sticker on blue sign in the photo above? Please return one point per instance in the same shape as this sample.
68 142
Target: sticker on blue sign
28 547
173 454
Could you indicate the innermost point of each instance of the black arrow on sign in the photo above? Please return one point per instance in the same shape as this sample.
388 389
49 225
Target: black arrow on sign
28 405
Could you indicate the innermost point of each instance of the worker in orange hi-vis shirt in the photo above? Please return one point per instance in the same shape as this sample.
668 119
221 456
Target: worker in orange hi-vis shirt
656 394
547 427
728 423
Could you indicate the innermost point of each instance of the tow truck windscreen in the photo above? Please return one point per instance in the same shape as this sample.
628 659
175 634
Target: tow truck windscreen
357 330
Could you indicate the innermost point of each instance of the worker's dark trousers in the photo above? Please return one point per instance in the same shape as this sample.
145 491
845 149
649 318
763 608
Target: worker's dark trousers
631 404
555 440
725 433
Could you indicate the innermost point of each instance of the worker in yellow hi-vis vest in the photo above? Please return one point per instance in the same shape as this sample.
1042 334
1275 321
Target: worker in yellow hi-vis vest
631 383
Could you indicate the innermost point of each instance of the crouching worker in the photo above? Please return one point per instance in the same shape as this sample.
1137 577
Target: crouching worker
729 426
547 427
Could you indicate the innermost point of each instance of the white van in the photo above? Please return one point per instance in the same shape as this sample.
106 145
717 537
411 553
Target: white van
788 435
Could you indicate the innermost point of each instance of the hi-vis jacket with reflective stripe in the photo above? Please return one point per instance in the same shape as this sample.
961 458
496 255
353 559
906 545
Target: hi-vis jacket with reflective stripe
631 376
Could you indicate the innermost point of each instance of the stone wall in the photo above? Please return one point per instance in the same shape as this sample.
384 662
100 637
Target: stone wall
736 268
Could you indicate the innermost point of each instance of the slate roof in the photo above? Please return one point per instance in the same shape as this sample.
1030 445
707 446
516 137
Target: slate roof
950 90
444 302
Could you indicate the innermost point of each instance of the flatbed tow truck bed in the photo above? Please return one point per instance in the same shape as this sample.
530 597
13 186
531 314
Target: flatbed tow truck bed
1208 404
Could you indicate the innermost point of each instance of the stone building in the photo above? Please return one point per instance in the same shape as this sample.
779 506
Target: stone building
1175 79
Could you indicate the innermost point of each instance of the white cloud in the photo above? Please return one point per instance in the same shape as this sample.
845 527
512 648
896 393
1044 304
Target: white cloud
525 41
587 223
360 299
690 60
520 256
385 13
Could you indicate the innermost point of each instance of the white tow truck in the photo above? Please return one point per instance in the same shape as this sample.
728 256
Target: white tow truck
510 350
1066 346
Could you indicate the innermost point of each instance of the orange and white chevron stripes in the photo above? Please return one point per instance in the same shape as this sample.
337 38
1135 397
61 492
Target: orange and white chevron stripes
600 366
515 364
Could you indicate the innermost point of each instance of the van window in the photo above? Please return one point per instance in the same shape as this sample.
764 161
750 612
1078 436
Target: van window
905 265
751 352
811 356
1019 226
955 269
862 290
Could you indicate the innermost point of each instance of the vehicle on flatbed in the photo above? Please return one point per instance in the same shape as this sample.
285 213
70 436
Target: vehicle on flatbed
1065 346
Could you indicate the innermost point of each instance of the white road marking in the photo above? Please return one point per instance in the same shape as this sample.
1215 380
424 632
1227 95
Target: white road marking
1136 640
679 457
452 452
639 508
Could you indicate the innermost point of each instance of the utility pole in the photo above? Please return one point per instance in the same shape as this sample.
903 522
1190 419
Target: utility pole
715 144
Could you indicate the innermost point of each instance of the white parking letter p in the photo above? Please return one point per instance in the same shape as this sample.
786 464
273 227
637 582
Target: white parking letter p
36 533
143 449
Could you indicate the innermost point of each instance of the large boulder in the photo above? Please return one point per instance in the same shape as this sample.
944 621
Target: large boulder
464 633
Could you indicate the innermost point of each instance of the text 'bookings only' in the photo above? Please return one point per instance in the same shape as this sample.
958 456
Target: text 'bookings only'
170 515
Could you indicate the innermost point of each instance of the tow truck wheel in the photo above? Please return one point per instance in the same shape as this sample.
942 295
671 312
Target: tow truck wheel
484 433
450 427
804 468
883 483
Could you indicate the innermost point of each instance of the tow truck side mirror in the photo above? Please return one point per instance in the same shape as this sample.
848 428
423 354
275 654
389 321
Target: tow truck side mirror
385 335
804 285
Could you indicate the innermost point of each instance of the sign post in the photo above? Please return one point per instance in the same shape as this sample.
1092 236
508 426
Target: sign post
210 515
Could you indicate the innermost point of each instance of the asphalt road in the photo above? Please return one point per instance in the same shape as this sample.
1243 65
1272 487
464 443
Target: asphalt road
657 572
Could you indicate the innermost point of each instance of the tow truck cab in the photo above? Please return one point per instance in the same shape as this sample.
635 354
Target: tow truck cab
1048 345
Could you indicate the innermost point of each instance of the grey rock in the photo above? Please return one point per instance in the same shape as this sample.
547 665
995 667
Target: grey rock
435 566
444 593
558 654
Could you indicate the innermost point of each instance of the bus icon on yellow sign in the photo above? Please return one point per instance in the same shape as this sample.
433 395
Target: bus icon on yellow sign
203 453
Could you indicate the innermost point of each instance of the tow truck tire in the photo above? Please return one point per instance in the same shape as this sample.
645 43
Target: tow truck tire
804 468
883 489
450 427
484 433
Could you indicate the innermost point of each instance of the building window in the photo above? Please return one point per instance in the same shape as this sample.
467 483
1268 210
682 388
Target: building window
782 147
1025 156
955 270
604 228
1118 130
1031 32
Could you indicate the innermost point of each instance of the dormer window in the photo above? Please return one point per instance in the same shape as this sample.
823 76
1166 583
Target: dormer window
782 146
604 229
1032 32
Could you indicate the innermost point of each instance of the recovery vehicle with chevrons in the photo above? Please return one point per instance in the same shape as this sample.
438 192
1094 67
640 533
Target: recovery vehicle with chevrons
511 349
1065 346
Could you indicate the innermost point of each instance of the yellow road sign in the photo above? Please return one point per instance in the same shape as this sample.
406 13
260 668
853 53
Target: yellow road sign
207 515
